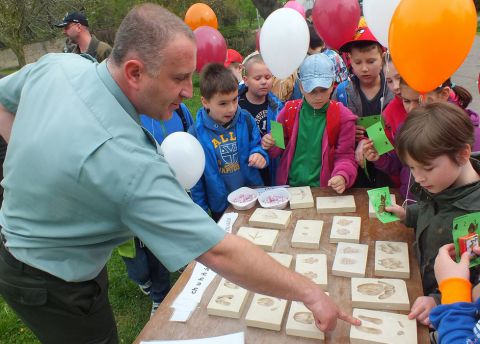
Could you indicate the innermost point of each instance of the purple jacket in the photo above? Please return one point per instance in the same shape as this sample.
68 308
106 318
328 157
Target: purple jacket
344 163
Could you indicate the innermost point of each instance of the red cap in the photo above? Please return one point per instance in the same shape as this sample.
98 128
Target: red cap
232 56
363 34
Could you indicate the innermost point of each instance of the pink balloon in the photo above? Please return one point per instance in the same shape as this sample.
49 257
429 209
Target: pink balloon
295 6
211 46
336 21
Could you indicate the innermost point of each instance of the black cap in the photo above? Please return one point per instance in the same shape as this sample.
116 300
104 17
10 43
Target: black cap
73 17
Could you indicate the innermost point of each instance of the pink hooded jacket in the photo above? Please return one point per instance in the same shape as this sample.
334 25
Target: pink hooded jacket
344 163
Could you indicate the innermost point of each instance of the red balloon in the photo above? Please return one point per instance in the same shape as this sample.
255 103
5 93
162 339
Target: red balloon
211 46
336 21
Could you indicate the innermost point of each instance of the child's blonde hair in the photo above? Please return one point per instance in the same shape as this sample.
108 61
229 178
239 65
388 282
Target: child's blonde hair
433 130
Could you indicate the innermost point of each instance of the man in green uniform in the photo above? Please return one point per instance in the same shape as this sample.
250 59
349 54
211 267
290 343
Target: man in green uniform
79 38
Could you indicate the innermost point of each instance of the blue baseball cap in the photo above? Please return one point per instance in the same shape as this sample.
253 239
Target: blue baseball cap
316 71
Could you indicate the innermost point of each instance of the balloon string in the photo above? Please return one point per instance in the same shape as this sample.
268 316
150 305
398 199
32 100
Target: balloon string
387 65
422 98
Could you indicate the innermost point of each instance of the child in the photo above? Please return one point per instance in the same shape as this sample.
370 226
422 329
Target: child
394 114
365 95
181 120
230 139
319 133
435 143
144 268
256 97
234 64
458 95
456 320
389 162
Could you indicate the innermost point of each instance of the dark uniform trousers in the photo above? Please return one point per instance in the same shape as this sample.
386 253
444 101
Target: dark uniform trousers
55 310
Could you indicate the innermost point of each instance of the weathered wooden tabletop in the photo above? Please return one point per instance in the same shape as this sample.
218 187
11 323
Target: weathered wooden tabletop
201 325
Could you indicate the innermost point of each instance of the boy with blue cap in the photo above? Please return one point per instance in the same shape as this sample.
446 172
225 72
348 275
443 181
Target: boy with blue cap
319 133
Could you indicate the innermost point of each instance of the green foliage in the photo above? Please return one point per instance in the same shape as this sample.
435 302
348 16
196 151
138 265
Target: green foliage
33 20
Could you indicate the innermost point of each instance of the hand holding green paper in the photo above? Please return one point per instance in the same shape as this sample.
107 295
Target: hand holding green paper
276 130
380 199
376 133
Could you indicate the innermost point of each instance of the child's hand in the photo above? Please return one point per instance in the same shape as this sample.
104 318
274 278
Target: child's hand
369 150
359 154
267 141
359 133
337 183
446 266
397 210
421 309
257 160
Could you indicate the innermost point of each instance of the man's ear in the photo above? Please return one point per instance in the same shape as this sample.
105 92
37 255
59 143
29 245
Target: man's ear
134 70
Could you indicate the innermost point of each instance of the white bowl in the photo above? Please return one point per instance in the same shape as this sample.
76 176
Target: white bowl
243 198
274 198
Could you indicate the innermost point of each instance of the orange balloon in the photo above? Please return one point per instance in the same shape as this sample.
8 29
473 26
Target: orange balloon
430 39
200 15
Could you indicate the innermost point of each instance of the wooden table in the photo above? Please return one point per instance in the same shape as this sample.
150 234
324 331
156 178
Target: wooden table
202 325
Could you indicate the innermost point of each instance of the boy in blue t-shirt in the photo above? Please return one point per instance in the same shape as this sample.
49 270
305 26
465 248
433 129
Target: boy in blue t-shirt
230 139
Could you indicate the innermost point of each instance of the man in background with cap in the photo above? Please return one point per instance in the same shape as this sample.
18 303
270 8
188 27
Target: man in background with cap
75 27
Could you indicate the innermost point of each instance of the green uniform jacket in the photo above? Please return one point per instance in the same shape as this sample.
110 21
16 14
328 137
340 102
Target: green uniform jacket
97 49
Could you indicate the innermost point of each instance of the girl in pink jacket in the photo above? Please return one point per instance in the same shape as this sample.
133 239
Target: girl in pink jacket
319 133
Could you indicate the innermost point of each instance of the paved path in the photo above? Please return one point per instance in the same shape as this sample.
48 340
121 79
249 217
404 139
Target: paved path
467 74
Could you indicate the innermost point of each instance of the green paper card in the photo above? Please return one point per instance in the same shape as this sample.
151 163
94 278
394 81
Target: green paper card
127 249
376 133
276 130
380 199
368 121
465 236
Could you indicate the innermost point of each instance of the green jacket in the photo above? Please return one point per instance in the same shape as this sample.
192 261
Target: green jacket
97 49
432 218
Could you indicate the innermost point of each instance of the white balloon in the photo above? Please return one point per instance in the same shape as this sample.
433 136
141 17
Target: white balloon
284 41
185 156
378 14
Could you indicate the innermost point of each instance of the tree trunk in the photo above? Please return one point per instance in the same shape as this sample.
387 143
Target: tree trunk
265 7
19 53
